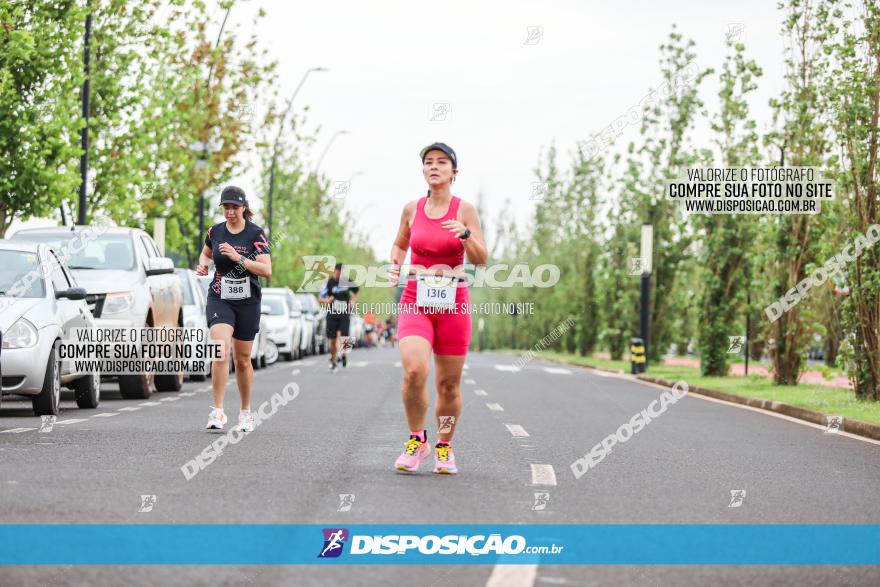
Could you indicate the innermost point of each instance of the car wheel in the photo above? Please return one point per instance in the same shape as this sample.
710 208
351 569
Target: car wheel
271 353
48 402
88 391
172 382
136 386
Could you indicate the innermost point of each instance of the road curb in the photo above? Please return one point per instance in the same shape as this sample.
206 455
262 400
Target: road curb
850 425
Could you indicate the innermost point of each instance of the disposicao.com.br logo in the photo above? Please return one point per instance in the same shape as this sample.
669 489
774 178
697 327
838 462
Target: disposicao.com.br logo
334 540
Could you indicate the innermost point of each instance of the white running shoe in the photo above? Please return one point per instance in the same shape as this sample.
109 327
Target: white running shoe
216 420
246 421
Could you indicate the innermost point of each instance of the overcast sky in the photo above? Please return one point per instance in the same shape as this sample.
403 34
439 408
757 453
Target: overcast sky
509 94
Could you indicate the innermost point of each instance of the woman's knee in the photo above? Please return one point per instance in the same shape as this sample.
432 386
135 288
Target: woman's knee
242 361
448 388
415 374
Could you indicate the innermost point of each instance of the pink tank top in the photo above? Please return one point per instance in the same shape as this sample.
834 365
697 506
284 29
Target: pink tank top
431 243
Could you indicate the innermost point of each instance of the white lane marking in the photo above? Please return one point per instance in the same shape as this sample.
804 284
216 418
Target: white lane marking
150 404
169 399
105 415
358 363
480 392
470 381
604 373
512 576
517 430
128 409
16 430
495 407
187 394
507 368
399 364
295 372
307 363
558 370
543 475
71 421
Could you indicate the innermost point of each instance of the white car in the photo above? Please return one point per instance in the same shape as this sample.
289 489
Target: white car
194 315
289 344
36 311
129 285
356 329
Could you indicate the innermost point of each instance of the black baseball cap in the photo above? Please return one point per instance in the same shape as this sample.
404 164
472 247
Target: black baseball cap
441 147
233 195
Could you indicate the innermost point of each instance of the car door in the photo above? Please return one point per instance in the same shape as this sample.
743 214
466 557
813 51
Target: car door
69 313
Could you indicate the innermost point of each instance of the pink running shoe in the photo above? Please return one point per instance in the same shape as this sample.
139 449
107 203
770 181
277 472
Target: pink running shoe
413 454
444 460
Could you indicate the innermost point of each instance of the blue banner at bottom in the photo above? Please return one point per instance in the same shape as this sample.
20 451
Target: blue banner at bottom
291 544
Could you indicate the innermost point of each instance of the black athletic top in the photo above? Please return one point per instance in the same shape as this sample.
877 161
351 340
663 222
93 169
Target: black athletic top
340 293
250 242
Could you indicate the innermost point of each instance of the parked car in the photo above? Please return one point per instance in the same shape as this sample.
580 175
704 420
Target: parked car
33 317
284 324
258 350
194 316
129 285
297 316
318 315
307 345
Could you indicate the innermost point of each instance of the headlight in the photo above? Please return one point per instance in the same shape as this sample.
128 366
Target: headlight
21 335
119 302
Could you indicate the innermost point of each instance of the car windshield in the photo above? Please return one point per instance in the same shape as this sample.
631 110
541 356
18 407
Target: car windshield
306 302
276 305
15 267
102 252
187 290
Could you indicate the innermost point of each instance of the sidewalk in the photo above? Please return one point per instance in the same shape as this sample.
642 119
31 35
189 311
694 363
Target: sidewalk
738 370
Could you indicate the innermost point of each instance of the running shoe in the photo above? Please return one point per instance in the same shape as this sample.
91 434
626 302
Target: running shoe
345 360
444 460
216 419
334 368
246 421
413 454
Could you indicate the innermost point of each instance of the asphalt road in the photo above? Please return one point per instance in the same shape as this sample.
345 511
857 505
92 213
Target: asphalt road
519 433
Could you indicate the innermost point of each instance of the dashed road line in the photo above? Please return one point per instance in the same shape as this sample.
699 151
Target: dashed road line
187 394
16 430
512 368
128 409
495 407
543 475
106 415
169 399
150 404
517 431
558 370
513 576
71 421
480 392
470 381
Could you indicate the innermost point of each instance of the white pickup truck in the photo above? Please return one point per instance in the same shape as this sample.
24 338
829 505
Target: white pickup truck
128 284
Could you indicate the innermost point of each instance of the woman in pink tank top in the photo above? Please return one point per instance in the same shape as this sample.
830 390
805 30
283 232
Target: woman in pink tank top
440 229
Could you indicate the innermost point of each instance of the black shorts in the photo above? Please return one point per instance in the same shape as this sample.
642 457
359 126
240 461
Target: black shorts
244 319
337 322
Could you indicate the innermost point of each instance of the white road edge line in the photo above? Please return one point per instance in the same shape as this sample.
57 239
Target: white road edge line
517 431
106 415
513 576
764 412
543 475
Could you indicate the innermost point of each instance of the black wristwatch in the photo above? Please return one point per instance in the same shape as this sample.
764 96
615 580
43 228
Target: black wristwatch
465 235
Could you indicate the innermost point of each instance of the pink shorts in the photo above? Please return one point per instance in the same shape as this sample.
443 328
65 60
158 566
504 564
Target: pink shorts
447 331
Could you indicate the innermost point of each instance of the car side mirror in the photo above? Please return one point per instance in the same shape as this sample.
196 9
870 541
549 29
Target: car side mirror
72 293
264 309
159 266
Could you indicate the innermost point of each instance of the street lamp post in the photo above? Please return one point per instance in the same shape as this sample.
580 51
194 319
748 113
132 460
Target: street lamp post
84 134
278 141
645 253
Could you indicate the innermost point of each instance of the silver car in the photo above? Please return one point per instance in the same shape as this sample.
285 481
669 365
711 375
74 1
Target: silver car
194 316
39 304
287 334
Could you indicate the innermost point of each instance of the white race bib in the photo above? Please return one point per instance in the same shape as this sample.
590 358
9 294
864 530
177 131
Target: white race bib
235 289
435 291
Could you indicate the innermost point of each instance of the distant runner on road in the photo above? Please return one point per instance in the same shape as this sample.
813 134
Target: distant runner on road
339 293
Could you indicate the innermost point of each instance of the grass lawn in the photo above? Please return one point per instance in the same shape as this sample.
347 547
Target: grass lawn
830 400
